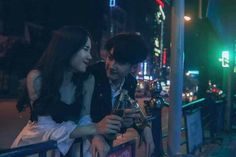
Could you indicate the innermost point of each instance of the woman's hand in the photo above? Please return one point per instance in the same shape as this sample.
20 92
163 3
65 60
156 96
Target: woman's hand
109 124
99 146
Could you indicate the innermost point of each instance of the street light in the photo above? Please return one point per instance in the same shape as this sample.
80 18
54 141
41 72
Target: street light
187 18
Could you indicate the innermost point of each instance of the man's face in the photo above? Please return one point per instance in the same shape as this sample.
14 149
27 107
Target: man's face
116 71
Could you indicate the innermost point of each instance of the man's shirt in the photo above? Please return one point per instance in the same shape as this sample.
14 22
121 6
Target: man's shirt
101 104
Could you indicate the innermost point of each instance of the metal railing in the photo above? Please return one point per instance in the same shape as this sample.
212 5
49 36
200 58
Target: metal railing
188 109
124 149
39 148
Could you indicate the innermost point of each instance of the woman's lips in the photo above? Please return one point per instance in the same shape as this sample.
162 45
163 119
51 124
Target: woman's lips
86 63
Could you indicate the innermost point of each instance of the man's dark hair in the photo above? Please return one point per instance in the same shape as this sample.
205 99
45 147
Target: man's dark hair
127 48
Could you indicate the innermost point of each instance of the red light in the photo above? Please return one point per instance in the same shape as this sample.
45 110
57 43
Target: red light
164 57
160 2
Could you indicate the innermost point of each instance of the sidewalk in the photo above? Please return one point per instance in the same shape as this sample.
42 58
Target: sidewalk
226 149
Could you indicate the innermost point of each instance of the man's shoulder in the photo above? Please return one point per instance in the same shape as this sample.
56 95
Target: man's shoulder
130 78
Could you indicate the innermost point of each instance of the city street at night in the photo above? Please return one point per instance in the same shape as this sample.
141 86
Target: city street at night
118 78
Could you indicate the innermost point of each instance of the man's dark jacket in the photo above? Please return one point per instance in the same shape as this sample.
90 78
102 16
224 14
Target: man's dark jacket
101 104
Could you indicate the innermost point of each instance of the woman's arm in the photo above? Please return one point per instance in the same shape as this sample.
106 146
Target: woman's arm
88 88
85 130
109 124
85 126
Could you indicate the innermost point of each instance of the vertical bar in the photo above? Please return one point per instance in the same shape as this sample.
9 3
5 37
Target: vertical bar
161 42
186 131
133 144
43 154
177 63
229 93
200 9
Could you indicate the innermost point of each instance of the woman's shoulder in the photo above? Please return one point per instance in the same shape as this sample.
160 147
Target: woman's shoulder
33 79
90 79
33 74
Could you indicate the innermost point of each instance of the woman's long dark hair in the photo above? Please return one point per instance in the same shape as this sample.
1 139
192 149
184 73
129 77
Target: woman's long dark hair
55 61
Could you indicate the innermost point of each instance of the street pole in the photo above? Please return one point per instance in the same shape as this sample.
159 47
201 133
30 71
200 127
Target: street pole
200 9
161 43
176 77
228 107
229 94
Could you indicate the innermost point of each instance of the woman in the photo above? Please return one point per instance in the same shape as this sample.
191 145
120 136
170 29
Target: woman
60 91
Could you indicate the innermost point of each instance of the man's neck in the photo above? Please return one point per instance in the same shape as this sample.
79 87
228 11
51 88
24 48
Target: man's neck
115 84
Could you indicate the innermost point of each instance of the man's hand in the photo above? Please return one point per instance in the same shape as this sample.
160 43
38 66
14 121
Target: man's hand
129 117
99 146
109 124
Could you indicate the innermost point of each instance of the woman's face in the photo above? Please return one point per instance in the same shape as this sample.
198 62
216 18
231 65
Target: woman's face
80 60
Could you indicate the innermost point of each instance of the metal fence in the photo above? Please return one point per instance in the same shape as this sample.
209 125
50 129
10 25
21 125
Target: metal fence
125 149
39 148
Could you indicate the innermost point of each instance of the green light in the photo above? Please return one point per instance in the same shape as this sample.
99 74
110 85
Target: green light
225 58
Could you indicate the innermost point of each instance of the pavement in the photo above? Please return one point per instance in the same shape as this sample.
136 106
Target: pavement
217 148
12 122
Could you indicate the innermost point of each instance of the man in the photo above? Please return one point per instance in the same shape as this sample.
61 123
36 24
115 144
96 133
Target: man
123 52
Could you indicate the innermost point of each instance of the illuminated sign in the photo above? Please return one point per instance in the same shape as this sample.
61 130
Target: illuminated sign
160 2
225 59
112 3
160 15
164 57
192 72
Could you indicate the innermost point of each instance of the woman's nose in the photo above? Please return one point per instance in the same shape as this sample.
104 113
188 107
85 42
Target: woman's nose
89 56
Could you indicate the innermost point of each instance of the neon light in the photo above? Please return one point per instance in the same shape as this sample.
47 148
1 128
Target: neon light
164 57
194 72
112 3
156 50
187 18
141 69
157 42
145 68
225 58
147 77
225 54
162 12
161 3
